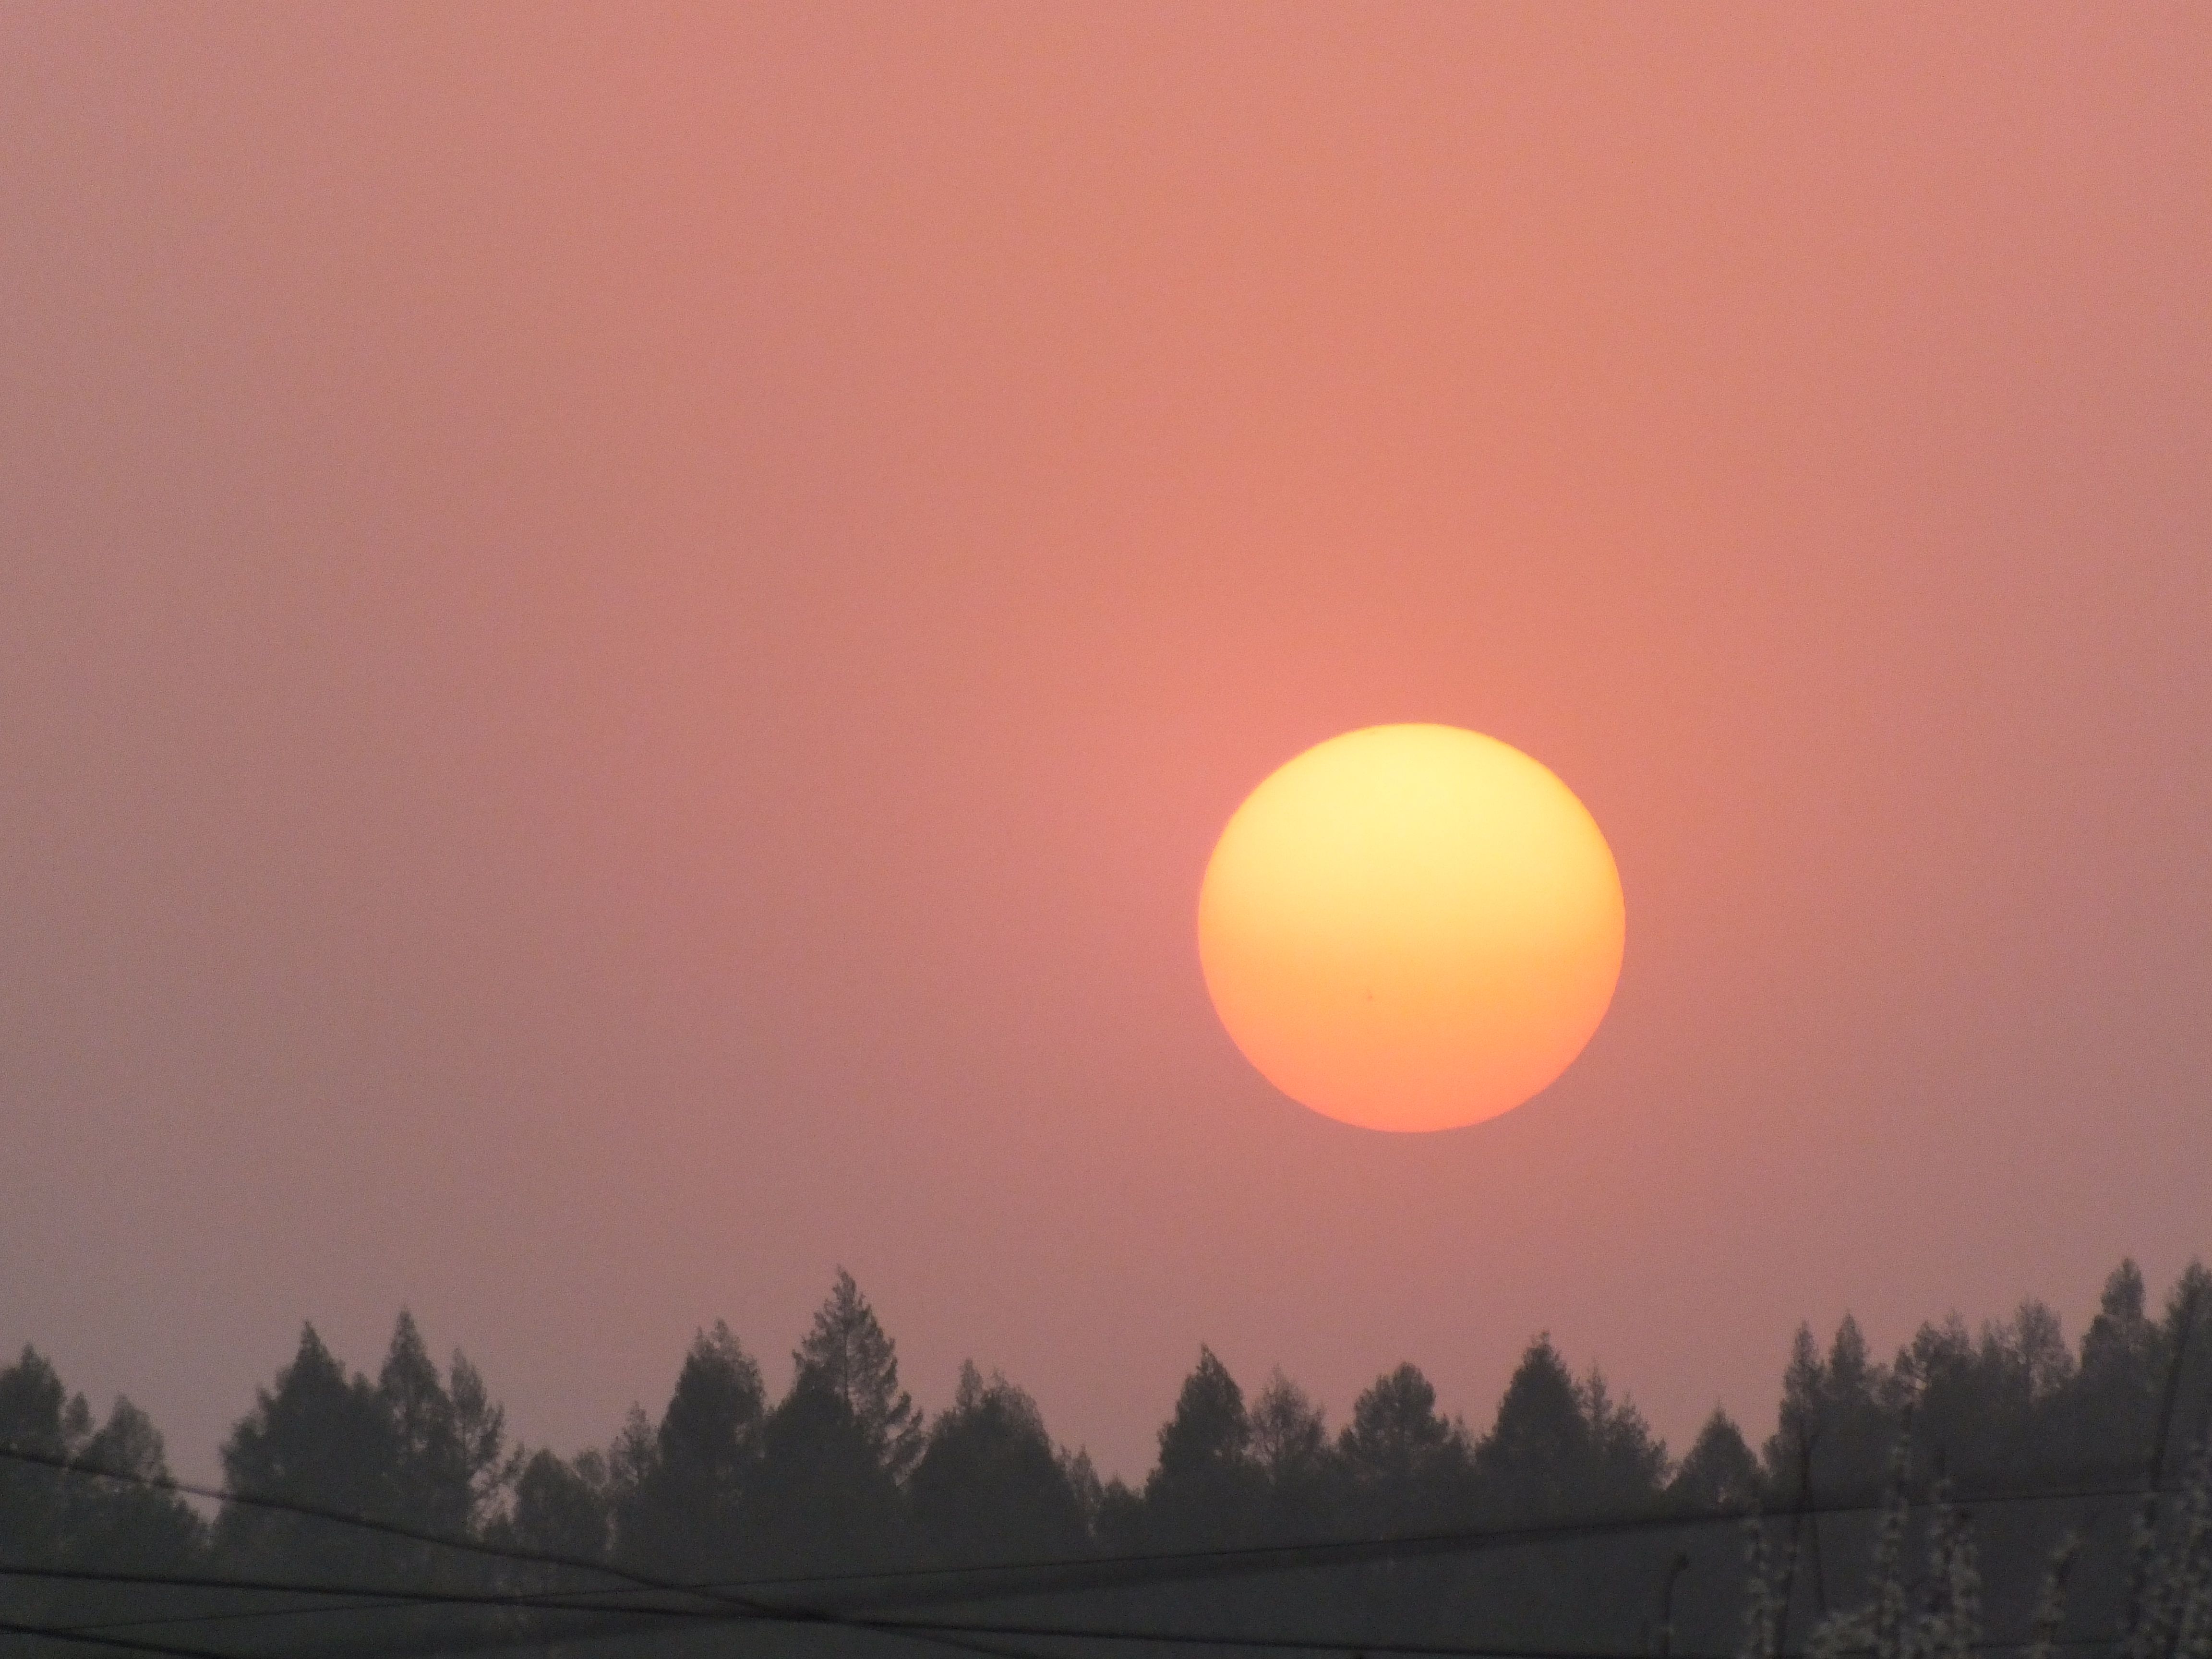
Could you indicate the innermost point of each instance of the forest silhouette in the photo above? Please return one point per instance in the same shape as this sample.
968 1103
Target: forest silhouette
1997 1488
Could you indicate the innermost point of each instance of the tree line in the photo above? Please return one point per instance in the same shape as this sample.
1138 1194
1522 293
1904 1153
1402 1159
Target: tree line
1565 1520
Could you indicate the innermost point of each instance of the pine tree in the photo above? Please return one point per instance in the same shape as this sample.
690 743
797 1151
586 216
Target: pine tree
53 1517
1298 1465
849 1353
1210 1430
561 1508
1720 1471
1407 1462
317 1436
1528 1465
1396 1435
990 1485
448 1438
1206 1486
1290 1436
682 1486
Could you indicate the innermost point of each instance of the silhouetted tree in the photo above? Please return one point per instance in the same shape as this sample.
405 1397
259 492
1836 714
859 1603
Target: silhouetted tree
1720 1471
848 1353
2119 1351
2109 1421
1290 1447
1559 1447
840 1477
411 1452
1205 1486
62 1518
130 1522
317 1437
1407 1464
1118 1521
1839 1417
1629 1465
1289 1430
684 1486
822 1499
1526 1465
447 1439
1209 1433
40 1418
561 1508
990 1485
1982 1406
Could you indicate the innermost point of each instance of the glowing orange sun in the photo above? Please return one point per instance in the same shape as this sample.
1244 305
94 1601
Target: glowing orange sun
1411 927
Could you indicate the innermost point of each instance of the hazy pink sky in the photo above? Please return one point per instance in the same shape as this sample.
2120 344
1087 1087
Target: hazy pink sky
624 630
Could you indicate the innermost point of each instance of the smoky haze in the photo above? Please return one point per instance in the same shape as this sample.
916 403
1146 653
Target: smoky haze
623 636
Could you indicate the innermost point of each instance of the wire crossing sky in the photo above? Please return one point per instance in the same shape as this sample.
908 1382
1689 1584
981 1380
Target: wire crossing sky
740 1600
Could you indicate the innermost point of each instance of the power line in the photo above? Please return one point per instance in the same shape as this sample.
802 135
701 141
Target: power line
695 1616
1116 1571
1080 1572
1409 1650
735 1601
372 1596
623 1620
63 1633
730 1608
338 1517
630 1620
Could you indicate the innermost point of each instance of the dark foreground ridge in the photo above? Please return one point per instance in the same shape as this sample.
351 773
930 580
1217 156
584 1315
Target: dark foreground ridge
1977 1493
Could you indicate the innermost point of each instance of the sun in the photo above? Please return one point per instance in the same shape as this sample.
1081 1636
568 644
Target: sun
1411 927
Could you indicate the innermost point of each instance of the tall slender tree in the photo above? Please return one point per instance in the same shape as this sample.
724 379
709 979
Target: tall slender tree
1206 1486
848 1354
1297 1465
686 1482
448 1438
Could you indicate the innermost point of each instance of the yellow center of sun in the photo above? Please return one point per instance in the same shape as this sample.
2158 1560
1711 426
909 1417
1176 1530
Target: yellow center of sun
1411 927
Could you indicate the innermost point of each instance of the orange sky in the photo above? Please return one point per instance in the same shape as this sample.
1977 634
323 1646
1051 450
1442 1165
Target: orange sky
623 633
